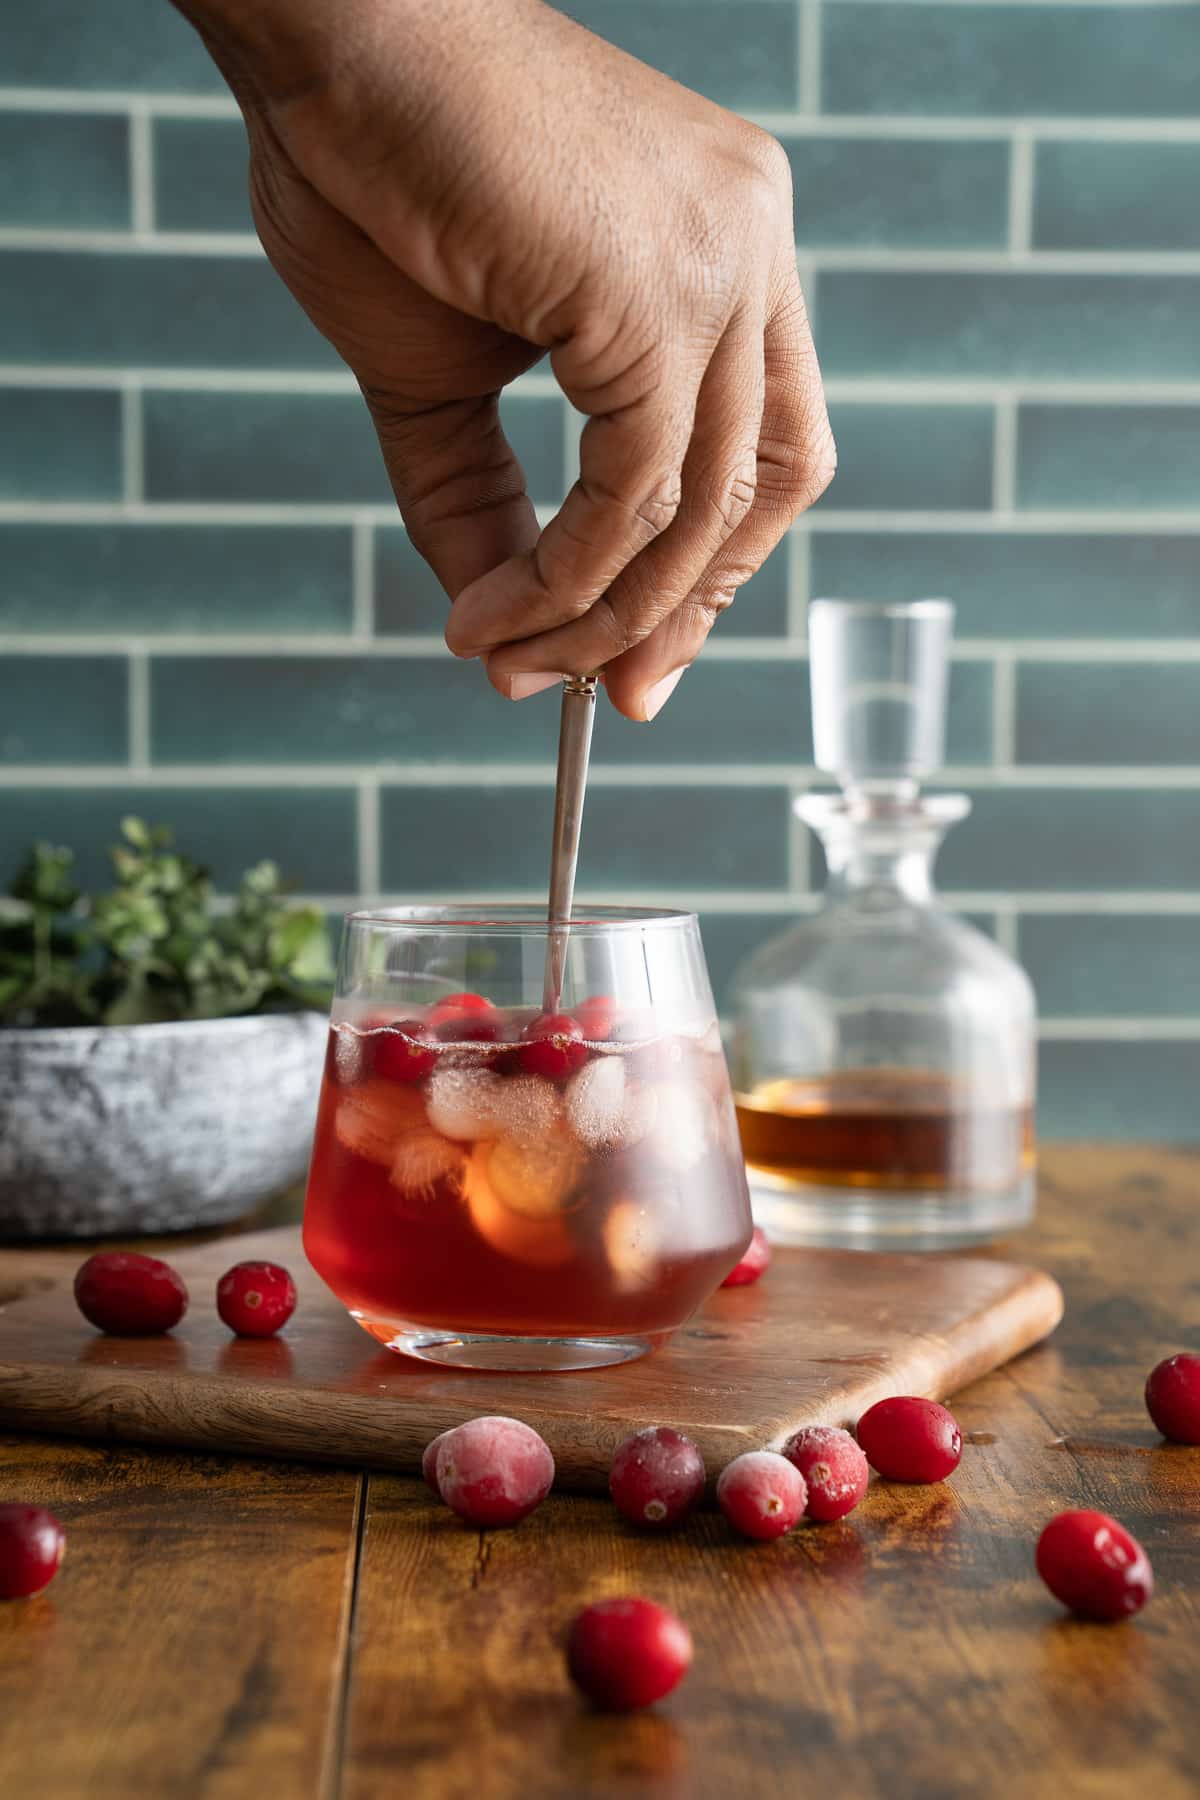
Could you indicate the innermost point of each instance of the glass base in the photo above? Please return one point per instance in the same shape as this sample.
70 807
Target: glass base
494 1351
887 1219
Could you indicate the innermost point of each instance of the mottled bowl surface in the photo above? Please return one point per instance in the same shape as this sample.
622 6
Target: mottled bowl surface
143 1128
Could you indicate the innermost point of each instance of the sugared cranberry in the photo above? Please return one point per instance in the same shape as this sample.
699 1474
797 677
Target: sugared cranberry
1094 1566
907 1439
129 1295
429 1458
834 1470
597 1015
493 1471
256 1298
656 1476
753 1264
1173 1397
628 1653
554 1046
31 1547
761 1494
404 1052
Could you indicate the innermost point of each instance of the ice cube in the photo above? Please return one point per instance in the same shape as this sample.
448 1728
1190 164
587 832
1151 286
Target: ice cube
371 1117
685 1125
543 1243
631 1240
535 1178
349 1057
423 1161
463 1103
528 1108
595 1100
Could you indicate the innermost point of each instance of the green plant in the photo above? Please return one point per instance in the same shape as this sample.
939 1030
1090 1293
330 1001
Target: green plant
154 946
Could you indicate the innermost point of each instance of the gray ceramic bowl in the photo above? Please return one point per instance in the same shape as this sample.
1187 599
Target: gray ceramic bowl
139 1128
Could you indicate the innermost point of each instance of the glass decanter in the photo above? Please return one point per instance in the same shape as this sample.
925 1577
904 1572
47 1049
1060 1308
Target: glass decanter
884 1051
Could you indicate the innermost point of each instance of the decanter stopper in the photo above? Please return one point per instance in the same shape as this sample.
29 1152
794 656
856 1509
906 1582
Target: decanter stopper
878 674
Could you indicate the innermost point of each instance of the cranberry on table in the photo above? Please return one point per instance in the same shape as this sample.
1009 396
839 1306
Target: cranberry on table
656 1477
1093 1565
909 1439
128 1294
553 1045
761 1494
753 1264
493 1471
628 1653
429 1458
31 1547
834 1469
403 1052
1173 1397
256 1298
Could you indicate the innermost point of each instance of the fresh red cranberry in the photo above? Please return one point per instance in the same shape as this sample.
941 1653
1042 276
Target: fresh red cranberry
453 1005
493 1471
1094 1566
598 1016
1173 1397
754 1263
834 1470
256 1298
628 1653
31 1547
554 1046
656 1476
907 1439
129 1295
761 1494
403 1052
429 1458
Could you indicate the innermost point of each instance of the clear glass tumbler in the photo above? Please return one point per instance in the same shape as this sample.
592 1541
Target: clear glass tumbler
494 1187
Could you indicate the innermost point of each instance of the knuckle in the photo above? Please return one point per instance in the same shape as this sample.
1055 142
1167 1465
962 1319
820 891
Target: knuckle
733 492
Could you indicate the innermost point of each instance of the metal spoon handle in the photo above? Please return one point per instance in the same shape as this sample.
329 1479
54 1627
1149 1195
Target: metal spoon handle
574 748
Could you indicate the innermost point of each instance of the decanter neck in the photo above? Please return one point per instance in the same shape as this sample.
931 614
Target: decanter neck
881 842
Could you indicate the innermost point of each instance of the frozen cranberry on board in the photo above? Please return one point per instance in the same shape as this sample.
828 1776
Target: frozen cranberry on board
834 1468
1094 1566
127 1294
754 1263
492 1471
625 1654
1173 1397
761 1494
656 1477
32 1543
910 1439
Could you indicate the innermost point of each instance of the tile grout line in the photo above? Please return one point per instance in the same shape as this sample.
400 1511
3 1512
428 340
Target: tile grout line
808 47
133 445
141 170
1020 193
362 581
139 711
367 827
1006 930
799 590
799 863
1004 712
1004 456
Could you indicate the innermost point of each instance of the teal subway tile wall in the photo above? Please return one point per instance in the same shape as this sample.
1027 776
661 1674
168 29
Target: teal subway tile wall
209 613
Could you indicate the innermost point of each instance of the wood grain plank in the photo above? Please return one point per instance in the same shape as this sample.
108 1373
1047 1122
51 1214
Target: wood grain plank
907 1651
193 1643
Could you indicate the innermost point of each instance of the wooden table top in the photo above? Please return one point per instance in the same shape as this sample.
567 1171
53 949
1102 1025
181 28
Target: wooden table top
236 1628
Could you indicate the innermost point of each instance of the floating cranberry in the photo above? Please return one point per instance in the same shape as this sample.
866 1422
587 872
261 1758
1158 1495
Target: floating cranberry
1093 1565
493 1471
129 1295
256 1298
754 1263
628 1653
656 1476
907 1439
1173 1397
429 1458
597 1015
553 1045
453 1005
761 1494
834 1470
31 1547
403 1052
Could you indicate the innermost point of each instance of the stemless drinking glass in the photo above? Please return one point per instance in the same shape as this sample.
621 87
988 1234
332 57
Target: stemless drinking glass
494 1187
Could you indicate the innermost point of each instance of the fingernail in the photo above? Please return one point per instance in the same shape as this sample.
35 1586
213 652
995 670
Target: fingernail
521 687
656 698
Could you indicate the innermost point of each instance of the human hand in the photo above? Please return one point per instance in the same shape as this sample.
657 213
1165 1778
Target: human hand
450 191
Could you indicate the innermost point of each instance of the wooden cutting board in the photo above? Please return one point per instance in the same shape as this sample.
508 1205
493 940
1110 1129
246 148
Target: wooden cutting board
818 1340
